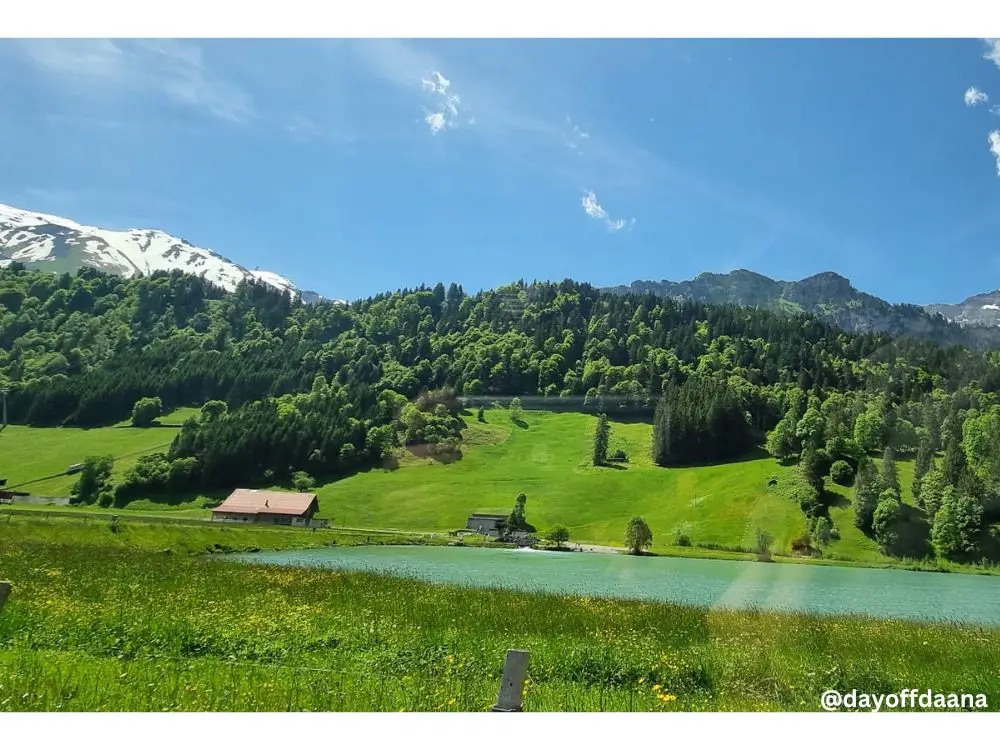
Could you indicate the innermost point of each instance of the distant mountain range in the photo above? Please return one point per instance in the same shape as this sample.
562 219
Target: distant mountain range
62 245
978 310
832 298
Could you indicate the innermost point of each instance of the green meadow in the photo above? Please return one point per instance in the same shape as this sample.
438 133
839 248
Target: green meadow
548 458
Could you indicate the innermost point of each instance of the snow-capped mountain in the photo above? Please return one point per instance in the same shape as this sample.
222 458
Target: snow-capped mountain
62 245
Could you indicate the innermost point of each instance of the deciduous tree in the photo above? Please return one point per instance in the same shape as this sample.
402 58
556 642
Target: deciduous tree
637 535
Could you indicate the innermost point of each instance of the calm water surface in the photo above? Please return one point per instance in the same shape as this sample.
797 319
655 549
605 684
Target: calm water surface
818 589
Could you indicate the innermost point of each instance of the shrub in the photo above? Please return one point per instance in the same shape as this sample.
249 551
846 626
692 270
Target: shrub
797 488
842 473
94 480
428 401
887 514
145 411
682 540
302 481
822 532
516 410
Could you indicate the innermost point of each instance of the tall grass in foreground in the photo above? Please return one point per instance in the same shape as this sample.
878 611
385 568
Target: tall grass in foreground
102 623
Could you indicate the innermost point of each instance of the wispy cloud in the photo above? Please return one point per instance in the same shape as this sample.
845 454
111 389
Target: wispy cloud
504 117
51 196
595 210
974 96
994 140
174 69
446 105
575 137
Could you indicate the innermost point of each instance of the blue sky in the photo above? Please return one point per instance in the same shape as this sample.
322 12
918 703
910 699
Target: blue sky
353 167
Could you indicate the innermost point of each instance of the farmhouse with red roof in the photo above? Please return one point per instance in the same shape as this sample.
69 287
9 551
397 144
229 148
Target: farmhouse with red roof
262 506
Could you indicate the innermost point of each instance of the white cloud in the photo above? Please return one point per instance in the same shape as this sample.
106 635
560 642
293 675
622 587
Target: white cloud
974 96
174 69
595 210
993 51
439 85
436 121
592 208
994 139
446 105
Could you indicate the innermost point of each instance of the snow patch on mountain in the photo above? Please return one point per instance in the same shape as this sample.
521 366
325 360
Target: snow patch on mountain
61 244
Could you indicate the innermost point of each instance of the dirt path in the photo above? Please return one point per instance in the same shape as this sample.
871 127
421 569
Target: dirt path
598 548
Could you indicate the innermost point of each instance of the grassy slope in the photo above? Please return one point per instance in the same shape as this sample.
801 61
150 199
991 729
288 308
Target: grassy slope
853 544
549 461
28 453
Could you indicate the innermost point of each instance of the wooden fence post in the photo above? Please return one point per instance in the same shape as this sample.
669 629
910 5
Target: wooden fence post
515 670
5 587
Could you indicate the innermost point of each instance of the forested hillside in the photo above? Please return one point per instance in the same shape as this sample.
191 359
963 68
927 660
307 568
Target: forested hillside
328 388
82 349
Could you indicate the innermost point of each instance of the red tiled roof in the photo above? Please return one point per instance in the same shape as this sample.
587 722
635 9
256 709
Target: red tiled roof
262 501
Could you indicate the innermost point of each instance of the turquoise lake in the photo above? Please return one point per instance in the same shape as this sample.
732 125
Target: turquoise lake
817 589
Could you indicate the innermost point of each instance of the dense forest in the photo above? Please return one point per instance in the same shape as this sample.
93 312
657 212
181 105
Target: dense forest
326 388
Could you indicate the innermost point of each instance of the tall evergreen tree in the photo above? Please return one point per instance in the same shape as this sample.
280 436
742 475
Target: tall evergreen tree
602 437
923 463
954 466
867 487
890 473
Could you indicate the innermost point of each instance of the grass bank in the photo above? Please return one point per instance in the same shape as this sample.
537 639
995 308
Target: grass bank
105 620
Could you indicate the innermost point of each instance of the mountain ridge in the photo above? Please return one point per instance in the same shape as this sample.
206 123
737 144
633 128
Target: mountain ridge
831 297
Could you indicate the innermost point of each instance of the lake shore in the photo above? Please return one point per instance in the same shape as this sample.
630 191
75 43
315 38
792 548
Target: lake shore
356 536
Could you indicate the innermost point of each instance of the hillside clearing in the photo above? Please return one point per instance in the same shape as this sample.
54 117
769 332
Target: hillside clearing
31 453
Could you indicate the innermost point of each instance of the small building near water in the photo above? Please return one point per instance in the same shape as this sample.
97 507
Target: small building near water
263 506
487 524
